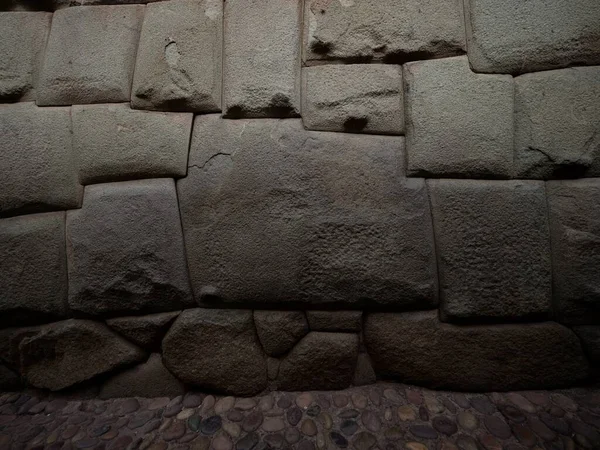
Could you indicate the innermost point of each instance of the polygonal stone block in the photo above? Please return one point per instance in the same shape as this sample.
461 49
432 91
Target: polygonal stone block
90 55
459 124
493 246
178 64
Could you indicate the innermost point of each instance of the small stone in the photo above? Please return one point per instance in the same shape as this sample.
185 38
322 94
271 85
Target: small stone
207 405
185 414
349 427
193 422
245 404
461 400
99 431
294 415
433 405
320 440
156 446
444 425
273 424
348 414
339 440
222 442
340 400
483 405
284 402
166 424
524 435
266 403
466 443
415 446
392 395
151 426
363 441
414 397
394 433
423 414
129 406
172 410
274 440
291 435
306 445
490 442
313 410
308 427
175 431
370 421
538 398
423 431
512 413
235 415
304 400
86 443
210 425
468 421
449 405
252 421
248 442
406 413
192 400
326 420
556 411
359 400
521 402
232 429
224 404
121 443
56 405
69 432
564 402
497 427
158 403
374 397
201 443
387 415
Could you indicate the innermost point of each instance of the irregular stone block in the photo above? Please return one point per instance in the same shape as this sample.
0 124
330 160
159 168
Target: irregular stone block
493 246
590 340
391 31
114 142
459 124
261 58
37 169
90 55
125 250
21 53
33 269
216 349
8 379
10 340
363 98
66 353
473 358
279 331
574 209
274 214
144 331
557 123
364 373
334 320
516 37
178 64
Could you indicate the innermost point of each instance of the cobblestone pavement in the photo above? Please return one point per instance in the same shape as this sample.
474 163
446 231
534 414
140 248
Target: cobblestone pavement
381 416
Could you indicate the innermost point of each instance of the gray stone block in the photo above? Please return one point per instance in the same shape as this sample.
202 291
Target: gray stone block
37 168
363 98
145 331
557 123
574 209
492 240
178 65
261 64
391 31
334 320
22 42
90 56
279 331
125 250
275 214
114 143
514 36
459 124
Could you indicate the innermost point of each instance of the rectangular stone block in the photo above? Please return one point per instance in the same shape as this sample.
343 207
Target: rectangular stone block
178 65
355 98
114 142
262 58
459 124
557 123
493 246
90 55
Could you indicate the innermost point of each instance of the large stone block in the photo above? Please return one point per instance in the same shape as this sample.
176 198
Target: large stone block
459 124
279 331
114 142
144 331
575 230
417 348
216 349
262 58
514 36
493 245
274 214
33 268
125 250
391 31
590 340
22 44
178 64
557 123
353 98
334 320
37 168
90 55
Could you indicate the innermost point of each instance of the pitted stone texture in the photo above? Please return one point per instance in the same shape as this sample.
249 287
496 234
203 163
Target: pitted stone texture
477 358
459 124
274 214
90 55
279 331
557 123
22 44
262 58
514 36
37 168
33 268
66 353
575 231
216 349
360 98
334 320
590 340
125 250
178 64
145 331
114 142
493 245
319 361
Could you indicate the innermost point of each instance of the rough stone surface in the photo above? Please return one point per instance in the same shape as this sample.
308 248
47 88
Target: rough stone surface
334 320
365 98
557 123
387 30
261 58
216 349
114 143
35 138
459 124
493 246
515 36
364 373
417 348
590 340
125 250
90 55
178 64
144 331
278 331
276 214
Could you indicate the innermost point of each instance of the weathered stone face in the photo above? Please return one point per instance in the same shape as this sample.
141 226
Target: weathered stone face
144 331
279 331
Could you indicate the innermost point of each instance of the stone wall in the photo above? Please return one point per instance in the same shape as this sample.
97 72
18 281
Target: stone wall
245 195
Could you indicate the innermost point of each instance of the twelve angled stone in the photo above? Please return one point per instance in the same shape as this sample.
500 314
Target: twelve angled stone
279 331
145 331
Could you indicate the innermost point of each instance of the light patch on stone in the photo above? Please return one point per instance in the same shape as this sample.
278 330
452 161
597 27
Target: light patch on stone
346 3
213 9
172 55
